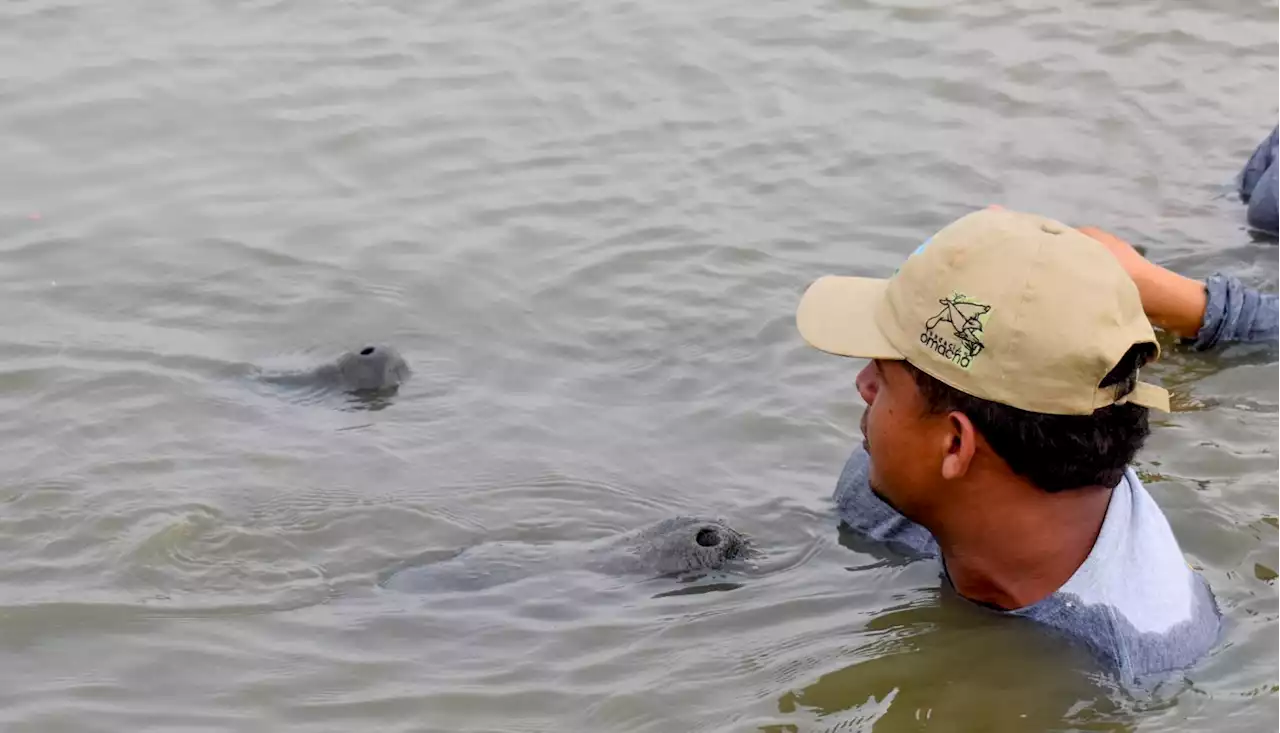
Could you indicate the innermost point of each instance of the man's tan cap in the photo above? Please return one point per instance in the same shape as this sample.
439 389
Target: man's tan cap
1005 306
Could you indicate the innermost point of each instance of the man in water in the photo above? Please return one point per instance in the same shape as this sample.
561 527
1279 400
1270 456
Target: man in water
1003 411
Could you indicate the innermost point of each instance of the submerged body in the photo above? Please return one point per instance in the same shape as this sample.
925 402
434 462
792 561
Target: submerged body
1258 183
671 547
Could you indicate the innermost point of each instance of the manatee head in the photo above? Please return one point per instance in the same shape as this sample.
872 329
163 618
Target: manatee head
372 369
688 545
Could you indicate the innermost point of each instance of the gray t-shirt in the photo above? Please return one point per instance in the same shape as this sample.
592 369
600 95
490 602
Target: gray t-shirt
1134 602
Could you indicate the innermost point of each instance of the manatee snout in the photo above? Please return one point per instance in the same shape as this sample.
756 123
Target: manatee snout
373 368
689 545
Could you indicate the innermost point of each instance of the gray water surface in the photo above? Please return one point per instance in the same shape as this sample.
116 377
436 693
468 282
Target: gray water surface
586 225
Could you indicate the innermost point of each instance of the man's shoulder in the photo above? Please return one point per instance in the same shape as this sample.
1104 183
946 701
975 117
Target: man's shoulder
869 515
1136 600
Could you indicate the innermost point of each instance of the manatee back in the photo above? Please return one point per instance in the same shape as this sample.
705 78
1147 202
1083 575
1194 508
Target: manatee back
676 546
478 567
324 375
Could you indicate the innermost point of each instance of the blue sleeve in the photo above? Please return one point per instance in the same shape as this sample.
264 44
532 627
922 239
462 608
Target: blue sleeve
1236 313
868 515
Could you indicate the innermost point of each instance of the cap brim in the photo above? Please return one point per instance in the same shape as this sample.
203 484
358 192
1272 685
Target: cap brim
1149 395
837 315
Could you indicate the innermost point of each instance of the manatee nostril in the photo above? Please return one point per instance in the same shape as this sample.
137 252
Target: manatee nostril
366 351
708 537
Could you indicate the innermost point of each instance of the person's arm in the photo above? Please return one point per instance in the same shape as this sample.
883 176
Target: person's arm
1236 313
1174 303
1218 310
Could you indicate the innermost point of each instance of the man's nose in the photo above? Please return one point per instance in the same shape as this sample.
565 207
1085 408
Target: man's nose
866 382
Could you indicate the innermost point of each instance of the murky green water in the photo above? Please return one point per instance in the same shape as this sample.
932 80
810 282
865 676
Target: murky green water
587 226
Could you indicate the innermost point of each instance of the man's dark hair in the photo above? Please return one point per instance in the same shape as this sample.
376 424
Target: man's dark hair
1056 452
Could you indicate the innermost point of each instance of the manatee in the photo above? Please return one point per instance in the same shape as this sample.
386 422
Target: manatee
678 546
1258 182
370 370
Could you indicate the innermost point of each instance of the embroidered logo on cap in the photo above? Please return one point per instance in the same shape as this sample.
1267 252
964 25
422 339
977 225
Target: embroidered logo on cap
956 332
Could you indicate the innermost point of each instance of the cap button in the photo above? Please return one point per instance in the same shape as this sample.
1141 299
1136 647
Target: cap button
1053 227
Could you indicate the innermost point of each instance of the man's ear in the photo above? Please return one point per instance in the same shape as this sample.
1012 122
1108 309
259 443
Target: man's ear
962 443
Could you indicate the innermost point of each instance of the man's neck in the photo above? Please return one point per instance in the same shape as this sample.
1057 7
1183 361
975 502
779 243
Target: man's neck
1022 544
